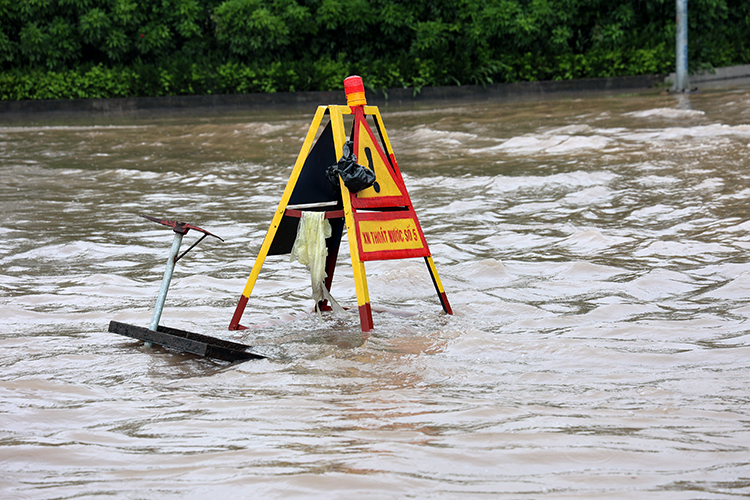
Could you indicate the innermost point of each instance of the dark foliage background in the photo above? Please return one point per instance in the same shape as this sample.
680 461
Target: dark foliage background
110 48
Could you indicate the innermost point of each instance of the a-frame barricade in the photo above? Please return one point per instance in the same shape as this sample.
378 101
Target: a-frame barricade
380 220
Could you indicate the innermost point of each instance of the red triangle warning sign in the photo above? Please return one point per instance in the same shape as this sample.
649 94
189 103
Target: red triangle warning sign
389 189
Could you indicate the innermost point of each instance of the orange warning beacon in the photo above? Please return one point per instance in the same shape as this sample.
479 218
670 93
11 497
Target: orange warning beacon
380 220
355 91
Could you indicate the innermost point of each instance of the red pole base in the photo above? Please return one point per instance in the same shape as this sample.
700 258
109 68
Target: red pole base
235 323
365 317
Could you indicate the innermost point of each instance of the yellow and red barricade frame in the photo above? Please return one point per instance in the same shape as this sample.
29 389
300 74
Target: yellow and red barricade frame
380 221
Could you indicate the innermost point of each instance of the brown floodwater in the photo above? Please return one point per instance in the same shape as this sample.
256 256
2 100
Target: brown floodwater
594 251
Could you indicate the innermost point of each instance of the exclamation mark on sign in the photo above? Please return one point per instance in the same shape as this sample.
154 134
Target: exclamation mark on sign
371 166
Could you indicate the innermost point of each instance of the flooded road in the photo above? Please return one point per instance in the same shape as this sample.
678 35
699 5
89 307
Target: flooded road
594 252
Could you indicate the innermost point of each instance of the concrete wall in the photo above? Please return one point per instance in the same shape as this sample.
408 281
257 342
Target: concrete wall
17 110
717 75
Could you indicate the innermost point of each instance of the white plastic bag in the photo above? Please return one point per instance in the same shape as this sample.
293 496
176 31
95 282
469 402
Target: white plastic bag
310 250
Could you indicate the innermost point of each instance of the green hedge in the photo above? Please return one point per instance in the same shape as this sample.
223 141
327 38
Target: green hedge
117 48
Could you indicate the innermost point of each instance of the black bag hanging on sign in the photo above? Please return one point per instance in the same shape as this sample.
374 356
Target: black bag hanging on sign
356 177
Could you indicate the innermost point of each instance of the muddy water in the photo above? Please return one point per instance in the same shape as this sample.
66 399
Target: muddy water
594 251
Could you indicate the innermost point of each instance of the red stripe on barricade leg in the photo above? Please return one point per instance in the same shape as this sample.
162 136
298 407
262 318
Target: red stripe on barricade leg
446 305
365 317
235 323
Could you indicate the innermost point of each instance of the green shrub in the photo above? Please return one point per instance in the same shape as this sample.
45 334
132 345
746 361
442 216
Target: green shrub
51 49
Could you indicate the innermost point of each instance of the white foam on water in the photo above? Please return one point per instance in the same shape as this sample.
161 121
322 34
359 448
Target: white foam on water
682 248
422 135
590 240
741 227
587 271
483 274
659 284
576 143
261 129
669 113
507 241
401 279
596 195
575 129
657 180
546 144
661 212
461 207
709 184
576 179
704 132
583 138
737 288
525 144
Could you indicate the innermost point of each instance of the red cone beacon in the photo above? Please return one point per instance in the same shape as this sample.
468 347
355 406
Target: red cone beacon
355 91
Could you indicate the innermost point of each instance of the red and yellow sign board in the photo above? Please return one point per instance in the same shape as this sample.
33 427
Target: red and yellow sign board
390 235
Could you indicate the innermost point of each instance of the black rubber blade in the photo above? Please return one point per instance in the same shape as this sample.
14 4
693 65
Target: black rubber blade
194 343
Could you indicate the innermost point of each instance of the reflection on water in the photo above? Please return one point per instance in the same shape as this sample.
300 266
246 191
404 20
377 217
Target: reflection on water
594 251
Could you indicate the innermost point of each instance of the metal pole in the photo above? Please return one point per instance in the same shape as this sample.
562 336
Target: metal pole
165 281
681 50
